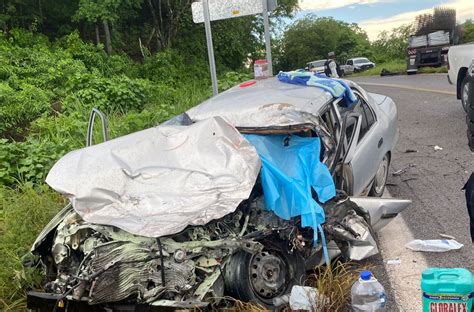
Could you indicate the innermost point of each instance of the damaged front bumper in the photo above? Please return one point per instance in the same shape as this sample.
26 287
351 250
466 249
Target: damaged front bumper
97 266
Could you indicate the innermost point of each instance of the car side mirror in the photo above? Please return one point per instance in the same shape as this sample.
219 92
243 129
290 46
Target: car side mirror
352 139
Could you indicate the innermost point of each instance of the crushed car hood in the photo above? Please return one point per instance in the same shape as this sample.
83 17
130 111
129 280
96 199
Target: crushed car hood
158 181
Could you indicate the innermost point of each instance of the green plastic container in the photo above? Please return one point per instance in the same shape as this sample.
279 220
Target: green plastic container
447 290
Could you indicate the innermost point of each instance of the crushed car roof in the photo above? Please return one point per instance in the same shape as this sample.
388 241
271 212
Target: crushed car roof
265 103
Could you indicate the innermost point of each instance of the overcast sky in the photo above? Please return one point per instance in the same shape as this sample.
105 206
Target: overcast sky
375 16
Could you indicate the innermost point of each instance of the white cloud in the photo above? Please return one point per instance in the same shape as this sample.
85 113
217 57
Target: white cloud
373 27
319 5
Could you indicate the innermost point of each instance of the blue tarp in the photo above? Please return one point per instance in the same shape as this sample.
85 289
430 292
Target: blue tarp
290 169
337 88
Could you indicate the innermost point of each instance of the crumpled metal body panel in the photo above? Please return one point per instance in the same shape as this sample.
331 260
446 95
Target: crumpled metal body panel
381 210
158 181
267 103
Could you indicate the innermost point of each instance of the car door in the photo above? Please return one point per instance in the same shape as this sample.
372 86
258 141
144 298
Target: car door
350 66
366 153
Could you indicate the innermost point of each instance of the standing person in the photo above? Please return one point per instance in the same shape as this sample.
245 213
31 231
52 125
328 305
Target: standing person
331 68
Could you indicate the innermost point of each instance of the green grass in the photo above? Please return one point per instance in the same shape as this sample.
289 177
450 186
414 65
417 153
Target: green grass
23 214
392 66
433 70
398 66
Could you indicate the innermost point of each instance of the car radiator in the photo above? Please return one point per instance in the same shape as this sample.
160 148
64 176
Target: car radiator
121 269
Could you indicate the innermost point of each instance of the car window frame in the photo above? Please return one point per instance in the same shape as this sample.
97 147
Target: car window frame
362 99
336 120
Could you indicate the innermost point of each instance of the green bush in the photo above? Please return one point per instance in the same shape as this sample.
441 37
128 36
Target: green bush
118 93
232 78
21 106
27 161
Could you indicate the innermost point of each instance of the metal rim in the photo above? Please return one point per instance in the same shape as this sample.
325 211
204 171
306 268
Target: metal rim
465 94
268 275
381 176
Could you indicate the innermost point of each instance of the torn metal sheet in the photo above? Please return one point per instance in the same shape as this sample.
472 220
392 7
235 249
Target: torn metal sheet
349 226
158 181
381 210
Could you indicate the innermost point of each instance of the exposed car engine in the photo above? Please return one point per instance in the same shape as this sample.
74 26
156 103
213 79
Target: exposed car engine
105 264
101 264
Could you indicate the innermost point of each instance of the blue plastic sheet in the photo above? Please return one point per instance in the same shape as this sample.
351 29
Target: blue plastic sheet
290 170
337 88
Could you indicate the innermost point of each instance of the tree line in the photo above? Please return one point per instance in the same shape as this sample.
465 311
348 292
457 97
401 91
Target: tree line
141 28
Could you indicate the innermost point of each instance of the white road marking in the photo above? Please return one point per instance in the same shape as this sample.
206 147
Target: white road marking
406 87
404 278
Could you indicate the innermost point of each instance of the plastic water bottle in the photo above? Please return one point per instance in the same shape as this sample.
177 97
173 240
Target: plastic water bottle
368 294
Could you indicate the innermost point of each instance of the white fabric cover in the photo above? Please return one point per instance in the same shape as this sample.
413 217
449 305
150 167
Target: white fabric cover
158 181
417 41
438 38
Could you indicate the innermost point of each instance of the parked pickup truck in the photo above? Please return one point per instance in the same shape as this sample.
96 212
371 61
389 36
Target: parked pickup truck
459 59
357 64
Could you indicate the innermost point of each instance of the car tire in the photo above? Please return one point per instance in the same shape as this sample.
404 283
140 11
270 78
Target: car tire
470 125
244 274
470 98
465 92
470 140
380 180
470 112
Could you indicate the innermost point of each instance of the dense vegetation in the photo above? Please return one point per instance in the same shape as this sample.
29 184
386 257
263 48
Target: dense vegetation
140 62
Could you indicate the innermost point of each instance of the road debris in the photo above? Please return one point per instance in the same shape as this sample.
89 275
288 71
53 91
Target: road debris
434 245
402 171
394 262
446 236
437 148
306 298
410 151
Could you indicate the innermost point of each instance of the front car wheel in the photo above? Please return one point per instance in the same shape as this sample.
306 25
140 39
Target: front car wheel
263 276
380 180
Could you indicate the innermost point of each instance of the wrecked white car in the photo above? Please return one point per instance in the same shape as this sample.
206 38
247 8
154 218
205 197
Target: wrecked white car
235 197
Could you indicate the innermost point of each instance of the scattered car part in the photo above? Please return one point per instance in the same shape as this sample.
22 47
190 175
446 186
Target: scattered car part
434 245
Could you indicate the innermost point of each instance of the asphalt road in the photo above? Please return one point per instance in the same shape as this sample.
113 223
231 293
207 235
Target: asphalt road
429 115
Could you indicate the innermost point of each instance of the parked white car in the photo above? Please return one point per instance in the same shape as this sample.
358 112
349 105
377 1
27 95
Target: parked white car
459 59
357 64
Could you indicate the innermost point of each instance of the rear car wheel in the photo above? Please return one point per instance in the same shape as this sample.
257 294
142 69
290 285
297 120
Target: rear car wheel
465 93
470 112
263 276
380 180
